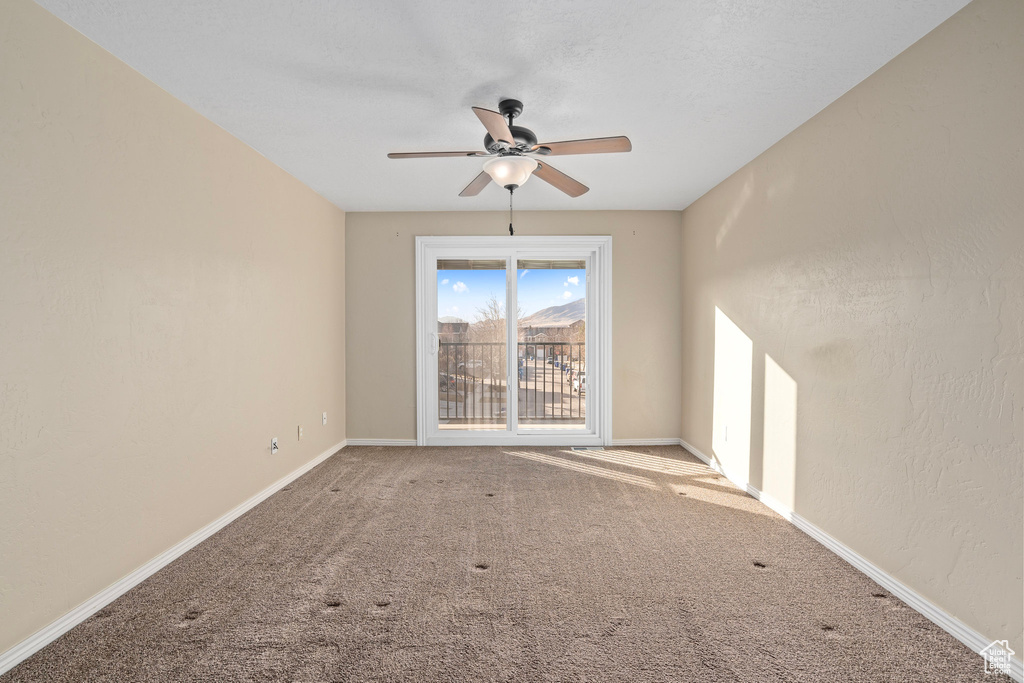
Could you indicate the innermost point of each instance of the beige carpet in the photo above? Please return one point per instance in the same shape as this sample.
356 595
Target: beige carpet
488 564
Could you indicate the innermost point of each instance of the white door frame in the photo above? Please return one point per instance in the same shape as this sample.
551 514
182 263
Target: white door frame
597 252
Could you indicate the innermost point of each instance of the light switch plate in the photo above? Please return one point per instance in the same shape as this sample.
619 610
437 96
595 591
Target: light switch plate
273 446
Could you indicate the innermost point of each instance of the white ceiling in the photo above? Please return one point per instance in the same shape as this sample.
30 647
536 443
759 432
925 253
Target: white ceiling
326 89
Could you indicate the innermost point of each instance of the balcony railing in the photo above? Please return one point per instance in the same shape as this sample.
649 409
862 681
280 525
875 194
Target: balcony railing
550 378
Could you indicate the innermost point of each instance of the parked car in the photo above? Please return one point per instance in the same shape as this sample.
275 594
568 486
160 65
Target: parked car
579 382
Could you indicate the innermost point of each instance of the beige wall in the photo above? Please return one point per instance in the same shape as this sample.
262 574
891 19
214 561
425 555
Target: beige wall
868 273
170 301
381 345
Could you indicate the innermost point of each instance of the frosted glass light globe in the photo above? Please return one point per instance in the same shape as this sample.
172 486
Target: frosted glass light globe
510 170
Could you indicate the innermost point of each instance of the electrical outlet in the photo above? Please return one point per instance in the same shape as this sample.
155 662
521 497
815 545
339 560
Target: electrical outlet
273 446
300 432
325 417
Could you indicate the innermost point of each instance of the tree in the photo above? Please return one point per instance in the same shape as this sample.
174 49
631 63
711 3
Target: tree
490 327
490 323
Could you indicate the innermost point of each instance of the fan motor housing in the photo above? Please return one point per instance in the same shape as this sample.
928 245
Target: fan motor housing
525 139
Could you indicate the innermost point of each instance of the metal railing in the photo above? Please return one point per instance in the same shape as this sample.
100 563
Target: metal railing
473 389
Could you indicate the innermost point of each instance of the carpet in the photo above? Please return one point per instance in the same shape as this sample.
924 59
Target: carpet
507 564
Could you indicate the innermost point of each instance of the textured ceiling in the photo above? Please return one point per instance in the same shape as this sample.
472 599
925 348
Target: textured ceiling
326 89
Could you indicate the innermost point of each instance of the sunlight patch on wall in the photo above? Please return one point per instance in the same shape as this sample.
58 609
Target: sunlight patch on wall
734 356
734 212
779 474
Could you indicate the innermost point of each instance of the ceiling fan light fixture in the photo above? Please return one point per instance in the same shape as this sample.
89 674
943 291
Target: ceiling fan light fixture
510 170
509 145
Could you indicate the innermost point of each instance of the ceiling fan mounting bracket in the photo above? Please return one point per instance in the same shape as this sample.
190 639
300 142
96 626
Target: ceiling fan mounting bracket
510 109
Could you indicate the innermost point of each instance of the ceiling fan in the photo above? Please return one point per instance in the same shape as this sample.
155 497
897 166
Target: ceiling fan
513 150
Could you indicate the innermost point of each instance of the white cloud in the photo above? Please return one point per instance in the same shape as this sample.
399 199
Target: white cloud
565 284
567 294
444 281
460 287
575 279
523 274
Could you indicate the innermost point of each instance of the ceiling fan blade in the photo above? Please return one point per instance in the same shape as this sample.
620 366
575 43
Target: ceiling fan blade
589 146
478 184
425 155
495 125
553 176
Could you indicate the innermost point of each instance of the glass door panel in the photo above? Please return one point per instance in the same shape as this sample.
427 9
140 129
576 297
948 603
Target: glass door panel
551 344
472 366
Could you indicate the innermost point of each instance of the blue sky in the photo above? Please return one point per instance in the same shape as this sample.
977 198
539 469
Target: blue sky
461 292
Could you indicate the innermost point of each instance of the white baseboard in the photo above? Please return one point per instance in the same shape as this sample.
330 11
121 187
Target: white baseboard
49 633
947 622
382 442
616 442
646 442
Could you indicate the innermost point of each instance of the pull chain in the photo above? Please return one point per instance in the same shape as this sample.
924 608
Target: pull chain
510 230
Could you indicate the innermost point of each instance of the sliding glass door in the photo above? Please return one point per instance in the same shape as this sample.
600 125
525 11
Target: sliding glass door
513 340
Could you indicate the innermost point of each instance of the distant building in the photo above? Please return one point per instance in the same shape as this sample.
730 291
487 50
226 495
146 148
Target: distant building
540 339
550 333
452 329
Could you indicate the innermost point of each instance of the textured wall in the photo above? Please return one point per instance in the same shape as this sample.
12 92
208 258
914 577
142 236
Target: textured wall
170 301
867 275
646 334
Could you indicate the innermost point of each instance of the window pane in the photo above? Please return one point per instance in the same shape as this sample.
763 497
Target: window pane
471 358
552 349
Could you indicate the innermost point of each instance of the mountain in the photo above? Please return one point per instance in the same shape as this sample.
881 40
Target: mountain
557 316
